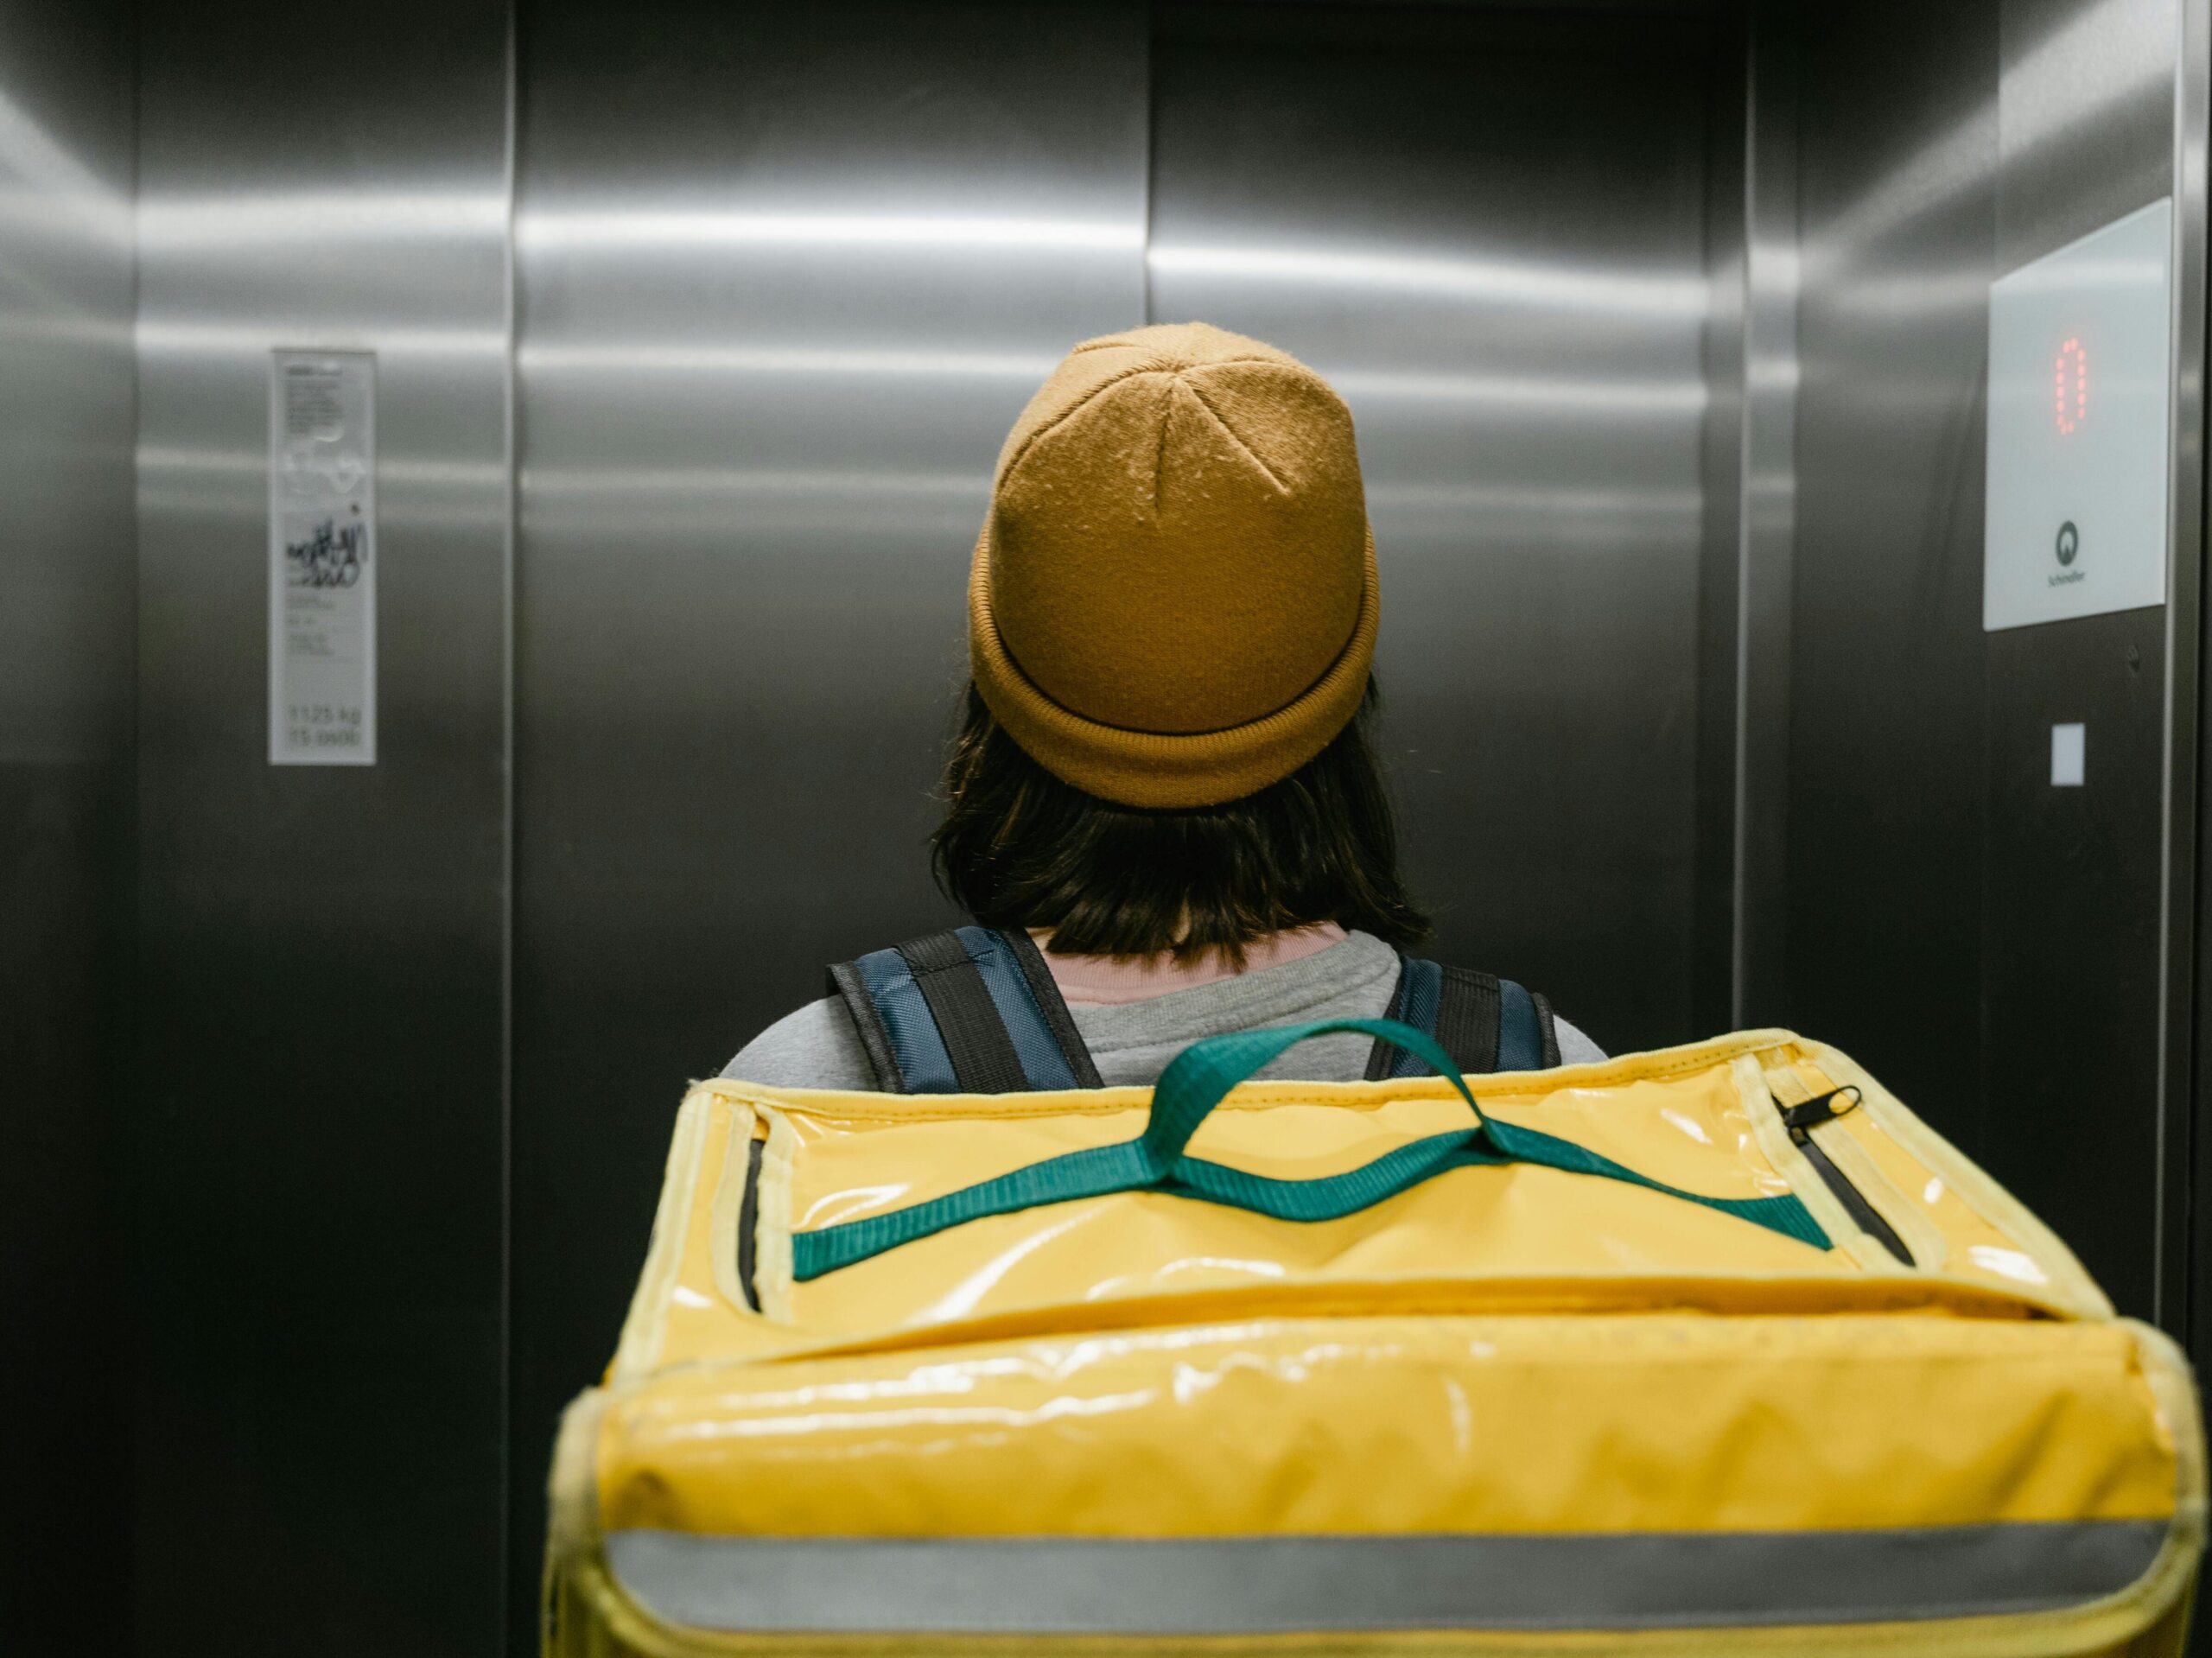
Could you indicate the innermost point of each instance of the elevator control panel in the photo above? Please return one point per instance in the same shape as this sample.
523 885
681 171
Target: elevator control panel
2080 357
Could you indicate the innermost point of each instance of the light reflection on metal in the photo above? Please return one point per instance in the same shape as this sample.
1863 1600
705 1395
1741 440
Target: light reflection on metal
191 338
229 224
648 358
47 184
1670 397
252 467
2049 76
582 231
1494 282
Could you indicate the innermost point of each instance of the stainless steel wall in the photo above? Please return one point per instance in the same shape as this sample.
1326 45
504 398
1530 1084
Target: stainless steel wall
320 1156
787 275
1715 904
2002 951
1488 229
1758 581
65 670
1897 178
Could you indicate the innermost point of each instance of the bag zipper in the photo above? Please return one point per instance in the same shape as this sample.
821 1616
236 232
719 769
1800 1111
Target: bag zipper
1801 1121
748 1223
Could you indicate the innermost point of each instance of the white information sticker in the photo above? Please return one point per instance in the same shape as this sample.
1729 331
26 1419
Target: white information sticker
322 558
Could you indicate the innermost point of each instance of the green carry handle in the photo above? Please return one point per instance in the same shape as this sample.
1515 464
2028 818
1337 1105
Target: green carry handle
1198 1079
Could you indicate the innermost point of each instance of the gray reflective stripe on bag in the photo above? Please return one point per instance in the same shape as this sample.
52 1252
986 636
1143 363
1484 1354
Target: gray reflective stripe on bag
1243 1586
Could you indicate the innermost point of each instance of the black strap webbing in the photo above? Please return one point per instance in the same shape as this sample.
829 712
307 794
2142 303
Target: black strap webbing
1486 1024
847 984
1046 991
1466 1020
1550 1026
983 1059
972 1011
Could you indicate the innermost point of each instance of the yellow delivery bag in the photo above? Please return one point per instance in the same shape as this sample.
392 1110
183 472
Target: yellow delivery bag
1713 1349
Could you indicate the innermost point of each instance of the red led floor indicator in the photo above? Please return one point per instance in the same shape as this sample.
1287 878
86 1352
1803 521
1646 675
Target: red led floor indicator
2071 391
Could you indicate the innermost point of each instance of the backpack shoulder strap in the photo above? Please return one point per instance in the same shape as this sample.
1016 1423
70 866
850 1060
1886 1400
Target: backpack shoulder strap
1485 1023
1526 1037
971 1011
1546 1033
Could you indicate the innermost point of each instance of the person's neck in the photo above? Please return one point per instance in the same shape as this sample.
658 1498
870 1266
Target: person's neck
1104 980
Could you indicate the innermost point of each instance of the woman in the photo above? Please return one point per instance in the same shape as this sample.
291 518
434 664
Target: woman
1166 776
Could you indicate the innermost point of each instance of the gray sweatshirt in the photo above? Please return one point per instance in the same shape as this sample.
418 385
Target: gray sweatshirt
1132 1042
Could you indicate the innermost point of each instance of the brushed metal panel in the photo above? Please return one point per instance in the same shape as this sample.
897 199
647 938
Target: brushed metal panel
2073 899
1897 171
65 646
2085 117
1487 230
1766 558
2070 941
319 1171
1714 896
786 276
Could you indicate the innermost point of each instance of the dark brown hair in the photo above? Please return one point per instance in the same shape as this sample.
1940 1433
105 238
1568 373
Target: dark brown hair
1019 848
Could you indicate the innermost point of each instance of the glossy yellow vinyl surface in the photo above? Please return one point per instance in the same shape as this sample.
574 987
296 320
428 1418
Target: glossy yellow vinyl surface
846 1163
1471 1224
1609 1423
1703 1118
860 1155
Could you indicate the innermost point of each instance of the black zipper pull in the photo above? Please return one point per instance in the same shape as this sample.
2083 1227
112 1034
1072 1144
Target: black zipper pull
1801 1120
1824 1108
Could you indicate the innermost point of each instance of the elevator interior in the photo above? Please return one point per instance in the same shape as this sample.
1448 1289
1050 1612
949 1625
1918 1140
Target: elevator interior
339 1093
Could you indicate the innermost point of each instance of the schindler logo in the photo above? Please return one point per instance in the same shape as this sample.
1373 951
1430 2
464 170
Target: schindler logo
2068 547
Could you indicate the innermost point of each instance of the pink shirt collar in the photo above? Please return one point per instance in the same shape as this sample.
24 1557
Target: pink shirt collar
1102 980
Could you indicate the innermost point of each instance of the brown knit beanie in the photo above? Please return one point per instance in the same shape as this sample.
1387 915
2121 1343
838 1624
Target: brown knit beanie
1173 602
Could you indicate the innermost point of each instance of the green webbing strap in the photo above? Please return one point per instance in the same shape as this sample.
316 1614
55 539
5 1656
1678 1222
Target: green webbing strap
1194 1083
